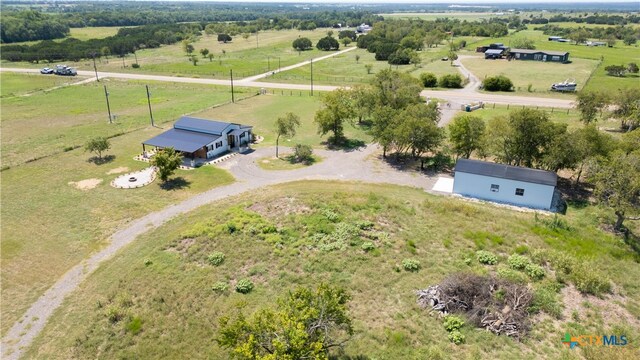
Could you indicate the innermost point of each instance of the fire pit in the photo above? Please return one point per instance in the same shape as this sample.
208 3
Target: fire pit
133 179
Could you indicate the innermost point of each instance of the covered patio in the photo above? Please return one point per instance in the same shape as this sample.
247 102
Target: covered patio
192 145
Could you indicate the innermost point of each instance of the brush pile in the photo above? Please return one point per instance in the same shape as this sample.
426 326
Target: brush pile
493 304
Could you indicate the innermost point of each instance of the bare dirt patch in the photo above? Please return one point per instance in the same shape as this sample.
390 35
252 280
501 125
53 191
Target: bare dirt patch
280 207
609 307
118 170
87 184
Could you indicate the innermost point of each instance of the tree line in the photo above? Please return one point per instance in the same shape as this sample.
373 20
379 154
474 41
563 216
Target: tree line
629 34
31 25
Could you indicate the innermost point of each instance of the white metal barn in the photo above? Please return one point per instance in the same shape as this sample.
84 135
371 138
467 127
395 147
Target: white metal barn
504 183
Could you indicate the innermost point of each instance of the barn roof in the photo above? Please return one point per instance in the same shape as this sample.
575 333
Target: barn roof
524 174
201 125
527 51
182 140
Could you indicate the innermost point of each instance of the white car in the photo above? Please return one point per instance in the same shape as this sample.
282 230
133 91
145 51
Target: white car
46 71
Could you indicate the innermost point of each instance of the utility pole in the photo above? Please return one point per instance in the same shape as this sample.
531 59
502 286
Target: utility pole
95 68
149 102
311 76
106 95
233 99
257 38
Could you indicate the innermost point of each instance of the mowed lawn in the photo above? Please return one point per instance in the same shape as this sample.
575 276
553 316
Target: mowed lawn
161 285
343 69
262 112
98 32
540 75
46 123
620 54
12 84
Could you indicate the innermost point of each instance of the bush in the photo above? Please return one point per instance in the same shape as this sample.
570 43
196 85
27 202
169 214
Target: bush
302 44
452 323
511 275
328 43
135 66
518 262
215 258
220 286
244 286
411 265
429 80
456 337
485 257
589 281
368 246
497 83
534 271
115 313
303 153
452 81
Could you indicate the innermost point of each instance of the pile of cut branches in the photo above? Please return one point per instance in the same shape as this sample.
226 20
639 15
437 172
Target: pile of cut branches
496 305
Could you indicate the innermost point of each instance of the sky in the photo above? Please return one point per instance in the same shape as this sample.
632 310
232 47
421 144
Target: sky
466 2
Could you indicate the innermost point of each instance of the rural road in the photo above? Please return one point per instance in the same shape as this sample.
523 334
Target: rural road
461 96
357 165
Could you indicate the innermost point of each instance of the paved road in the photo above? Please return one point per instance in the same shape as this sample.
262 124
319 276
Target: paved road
358 165
460 96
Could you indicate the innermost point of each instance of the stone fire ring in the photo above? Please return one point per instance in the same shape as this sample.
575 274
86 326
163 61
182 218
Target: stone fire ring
135 179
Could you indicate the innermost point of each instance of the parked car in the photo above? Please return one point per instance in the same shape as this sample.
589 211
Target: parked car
46 71
65 70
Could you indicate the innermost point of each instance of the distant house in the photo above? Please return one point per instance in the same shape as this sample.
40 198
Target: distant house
555 38
505 184
363 28
539 55
596 43
200 138
494 53
494 46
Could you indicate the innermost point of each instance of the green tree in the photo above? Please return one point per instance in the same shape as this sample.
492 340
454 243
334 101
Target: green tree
497 83
416 131
306 324
194 60
453 56
382 127
357 58
615 70
345 41
302 44
611 41
579 36
166 162
224 38
187 47
522 43
286 126
105 51
368 67
97 145
429 80
303 153
629 40
452 81
617 185
590 103
627 103
396 89
328 43
633 68
362 100
246 36
465 134
210 56
336 109
204 52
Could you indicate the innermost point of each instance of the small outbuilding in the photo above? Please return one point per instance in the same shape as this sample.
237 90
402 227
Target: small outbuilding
494 53
201 138
507 184
539 55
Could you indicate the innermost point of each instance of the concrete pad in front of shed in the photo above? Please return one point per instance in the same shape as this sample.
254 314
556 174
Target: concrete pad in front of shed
444 185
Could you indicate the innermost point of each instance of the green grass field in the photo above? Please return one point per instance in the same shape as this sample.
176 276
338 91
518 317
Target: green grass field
50 122
12 84
161 285
618 55
99 32
285 161
540 75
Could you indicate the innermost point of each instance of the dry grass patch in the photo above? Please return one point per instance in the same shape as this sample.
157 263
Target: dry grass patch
87 184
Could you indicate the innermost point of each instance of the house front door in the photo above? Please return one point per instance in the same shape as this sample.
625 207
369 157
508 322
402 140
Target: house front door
231 140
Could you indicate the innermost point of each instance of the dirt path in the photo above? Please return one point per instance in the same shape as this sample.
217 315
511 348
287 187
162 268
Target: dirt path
357 165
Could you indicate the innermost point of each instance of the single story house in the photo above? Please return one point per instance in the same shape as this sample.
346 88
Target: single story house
596 43
539 55
363 28
504 183
494 53
201 138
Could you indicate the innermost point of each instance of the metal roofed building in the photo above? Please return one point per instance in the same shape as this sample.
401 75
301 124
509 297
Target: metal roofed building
539 55
201 138
494 53
508 184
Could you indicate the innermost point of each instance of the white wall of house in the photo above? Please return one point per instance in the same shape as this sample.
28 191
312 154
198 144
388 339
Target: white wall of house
536 196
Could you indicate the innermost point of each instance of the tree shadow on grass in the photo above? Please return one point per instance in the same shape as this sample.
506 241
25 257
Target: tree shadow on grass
103 160
576 195
346 145
177 183
292 159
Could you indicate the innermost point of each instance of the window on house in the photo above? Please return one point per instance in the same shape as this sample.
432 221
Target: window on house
495 188
555 58
519 192
218 144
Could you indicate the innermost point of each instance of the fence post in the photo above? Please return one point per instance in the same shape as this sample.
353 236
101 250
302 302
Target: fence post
494 105
507 106
567 111
552 110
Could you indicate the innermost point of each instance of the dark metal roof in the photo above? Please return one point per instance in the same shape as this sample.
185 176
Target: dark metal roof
201 125
181 140
239 131
485 168
527 51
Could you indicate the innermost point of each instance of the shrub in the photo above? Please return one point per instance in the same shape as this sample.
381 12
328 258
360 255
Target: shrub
327 43
522 249
518 262
429 80
244 286
511 275
497 83
215 258
589 281
452 81
147 262
485 257
545 298
411 265
302 44
135 325
456 337
220 286
452 323
303 153
534 271
368 246
135 66
115 313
